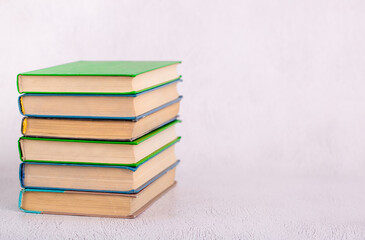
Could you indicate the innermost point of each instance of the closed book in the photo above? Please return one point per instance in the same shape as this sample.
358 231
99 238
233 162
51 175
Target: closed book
99 204
131 153
99 178
117 106
99 129
105 77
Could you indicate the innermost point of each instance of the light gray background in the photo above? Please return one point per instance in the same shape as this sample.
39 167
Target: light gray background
273 112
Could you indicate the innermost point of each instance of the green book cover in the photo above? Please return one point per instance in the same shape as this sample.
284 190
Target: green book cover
101 68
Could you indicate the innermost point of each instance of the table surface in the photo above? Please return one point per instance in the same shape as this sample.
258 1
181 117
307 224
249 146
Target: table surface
213 203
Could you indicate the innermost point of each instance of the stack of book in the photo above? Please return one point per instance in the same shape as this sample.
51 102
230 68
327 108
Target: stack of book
98 137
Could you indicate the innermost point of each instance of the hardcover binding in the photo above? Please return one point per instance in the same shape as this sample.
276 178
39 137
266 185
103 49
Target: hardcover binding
23 129
21 108
103 93
103 164
134 215
21 177
99 117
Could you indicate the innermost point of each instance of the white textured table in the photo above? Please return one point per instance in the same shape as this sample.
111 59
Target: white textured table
215 204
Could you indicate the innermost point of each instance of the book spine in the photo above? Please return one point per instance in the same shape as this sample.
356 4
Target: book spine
20 203
20 150
17 83
20 200
23 128
20 105
21 174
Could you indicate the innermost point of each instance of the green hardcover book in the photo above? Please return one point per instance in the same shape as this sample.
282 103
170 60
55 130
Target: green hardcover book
102 77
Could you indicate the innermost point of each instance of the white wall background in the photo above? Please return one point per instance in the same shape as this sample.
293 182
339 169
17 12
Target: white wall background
269 85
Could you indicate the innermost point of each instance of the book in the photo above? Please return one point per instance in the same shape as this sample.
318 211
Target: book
84 203
129 107
99 129
106 77
96 151
100 178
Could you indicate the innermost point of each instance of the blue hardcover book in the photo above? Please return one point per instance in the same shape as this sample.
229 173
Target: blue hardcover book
101 204
100 106
99 129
